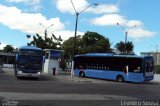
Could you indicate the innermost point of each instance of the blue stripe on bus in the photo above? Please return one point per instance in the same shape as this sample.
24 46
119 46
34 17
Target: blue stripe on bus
111 75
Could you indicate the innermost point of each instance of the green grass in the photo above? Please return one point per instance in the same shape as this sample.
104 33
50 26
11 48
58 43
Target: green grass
157 68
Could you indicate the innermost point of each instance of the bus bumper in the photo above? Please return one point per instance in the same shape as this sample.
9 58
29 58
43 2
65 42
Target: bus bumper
149 78
21 74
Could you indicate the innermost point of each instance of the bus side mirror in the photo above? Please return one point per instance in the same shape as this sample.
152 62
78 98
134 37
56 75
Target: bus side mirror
17 58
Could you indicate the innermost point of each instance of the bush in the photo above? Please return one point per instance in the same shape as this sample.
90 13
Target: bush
62 64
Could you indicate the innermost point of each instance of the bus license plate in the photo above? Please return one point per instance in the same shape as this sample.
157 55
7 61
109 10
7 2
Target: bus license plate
30 75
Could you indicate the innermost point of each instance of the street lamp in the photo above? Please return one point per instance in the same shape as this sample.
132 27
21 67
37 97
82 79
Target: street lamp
76 24
126 35
45 31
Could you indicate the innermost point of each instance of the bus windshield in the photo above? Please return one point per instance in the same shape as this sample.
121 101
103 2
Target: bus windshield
30 62
149 64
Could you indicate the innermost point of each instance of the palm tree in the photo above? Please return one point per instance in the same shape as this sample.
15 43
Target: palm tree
121 47
129 47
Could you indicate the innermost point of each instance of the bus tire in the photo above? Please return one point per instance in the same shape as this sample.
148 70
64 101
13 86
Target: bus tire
82 74
18 77
120 78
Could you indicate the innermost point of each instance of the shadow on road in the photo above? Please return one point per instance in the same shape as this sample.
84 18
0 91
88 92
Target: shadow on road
43 78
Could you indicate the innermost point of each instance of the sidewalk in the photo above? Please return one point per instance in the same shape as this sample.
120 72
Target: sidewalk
156 78
67 77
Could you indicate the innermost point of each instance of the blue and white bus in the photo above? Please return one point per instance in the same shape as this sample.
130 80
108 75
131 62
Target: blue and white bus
29 61
114 67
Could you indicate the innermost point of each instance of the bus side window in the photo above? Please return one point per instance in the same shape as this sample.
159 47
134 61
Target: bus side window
105 67
102 67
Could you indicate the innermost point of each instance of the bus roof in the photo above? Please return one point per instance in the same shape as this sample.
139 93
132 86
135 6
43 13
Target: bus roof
30 48
109 55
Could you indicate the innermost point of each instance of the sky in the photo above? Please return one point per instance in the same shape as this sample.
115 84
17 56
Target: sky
140 18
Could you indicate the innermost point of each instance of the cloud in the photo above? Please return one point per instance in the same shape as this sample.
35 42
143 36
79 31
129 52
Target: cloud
17 1
132 23
34 4
14 18
138 33
108 20
103 8
65 6
29 23
31 2
2 45
65 34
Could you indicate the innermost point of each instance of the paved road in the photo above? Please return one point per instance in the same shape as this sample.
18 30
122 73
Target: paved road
55 88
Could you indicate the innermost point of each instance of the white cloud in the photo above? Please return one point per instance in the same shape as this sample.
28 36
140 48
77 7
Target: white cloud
2 45
34 4
101 9
65 34
65 6
132 23
17 1
14 18
25 22
138 33
108 20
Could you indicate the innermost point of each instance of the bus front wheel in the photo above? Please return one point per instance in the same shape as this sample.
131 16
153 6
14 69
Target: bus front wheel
120 78
82 74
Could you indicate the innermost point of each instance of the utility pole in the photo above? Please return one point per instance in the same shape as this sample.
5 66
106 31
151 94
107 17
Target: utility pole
75 34
76 24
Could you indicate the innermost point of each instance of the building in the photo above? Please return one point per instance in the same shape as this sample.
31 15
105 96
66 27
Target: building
7 59
156 56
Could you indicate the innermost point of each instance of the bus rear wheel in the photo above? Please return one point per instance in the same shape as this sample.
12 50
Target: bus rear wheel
120 78
82 74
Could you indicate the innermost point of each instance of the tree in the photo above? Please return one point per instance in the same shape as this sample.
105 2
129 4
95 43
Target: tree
121 47
47 43
129 47
94 42
67 46
90 42
62 64
8 49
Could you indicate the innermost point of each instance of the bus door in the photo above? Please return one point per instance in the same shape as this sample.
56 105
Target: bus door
149 66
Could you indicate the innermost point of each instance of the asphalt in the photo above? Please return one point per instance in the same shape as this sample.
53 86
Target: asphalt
67 88
66 76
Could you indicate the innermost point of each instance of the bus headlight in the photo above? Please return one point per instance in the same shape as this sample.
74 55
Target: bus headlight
19 72
39 73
